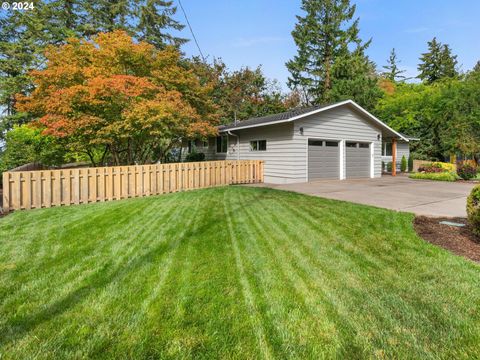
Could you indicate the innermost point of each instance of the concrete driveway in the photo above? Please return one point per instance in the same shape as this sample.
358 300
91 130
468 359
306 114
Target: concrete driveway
422 197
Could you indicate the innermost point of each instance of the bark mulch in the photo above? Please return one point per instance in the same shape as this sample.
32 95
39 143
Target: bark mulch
459 240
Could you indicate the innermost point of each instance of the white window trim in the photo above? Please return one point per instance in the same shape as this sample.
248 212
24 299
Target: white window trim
257 141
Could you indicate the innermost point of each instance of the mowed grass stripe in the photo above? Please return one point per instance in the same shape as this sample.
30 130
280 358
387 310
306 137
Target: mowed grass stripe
311 284
284 312
282 276
249 299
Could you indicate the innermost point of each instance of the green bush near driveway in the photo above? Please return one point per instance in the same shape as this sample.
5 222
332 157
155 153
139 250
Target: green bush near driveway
410 163
467 171
389 166
442 176
473 209
403 164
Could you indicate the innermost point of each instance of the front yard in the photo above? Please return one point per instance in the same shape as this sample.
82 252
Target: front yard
231 272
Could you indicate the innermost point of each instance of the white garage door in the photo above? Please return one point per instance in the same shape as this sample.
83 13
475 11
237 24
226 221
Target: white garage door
357 159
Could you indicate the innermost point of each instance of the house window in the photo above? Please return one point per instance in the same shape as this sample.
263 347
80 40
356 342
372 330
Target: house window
258 145
363 145
387 149
331 143
191 146
351 144
205 143
222 144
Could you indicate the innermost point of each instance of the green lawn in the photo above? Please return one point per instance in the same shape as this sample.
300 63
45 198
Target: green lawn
231 272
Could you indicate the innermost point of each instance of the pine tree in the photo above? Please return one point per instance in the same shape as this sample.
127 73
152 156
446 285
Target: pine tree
438 63
393 73
155 16
324 36
476 68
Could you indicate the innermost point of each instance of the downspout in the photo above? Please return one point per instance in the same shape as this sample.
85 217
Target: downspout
238 143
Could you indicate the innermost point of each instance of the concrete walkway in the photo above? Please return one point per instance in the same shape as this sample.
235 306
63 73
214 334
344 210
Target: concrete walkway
422 197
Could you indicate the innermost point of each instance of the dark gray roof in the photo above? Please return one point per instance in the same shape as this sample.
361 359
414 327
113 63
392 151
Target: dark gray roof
271 118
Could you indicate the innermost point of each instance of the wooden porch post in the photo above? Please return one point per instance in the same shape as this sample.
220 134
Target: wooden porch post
394 157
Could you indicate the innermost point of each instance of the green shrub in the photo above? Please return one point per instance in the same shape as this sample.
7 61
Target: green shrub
410 163
403 164
466 171
444 166
389 166
195 156
473 209
440 176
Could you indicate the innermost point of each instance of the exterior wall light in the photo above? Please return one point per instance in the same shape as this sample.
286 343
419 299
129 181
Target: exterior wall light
301 131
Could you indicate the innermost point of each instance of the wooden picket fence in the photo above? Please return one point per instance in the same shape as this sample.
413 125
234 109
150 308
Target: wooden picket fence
47 188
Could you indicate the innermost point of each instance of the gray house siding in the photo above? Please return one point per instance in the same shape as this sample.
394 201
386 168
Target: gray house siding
279 164
340 123
403 149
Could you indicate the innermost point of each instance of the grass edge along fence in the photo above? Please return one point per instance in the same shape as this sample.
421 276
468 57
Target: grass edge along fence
24 190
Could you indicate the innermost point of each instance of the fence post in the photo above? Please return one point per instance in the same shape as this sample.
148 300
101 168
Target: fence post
6 192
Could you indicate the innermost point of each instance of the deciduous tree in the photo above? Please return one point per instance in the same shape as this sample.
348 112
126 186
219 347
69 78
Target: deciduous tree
131 99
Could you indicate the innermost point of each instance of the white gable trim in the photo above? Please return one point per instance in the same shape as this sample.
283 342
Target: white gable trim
349 102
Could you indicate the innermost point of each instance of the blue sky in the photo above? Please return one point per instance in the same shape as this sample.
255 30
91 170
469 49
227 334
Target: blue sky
254 32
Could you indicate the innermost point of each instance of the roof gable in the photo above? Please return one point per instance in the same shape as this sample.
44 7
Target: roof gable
296 114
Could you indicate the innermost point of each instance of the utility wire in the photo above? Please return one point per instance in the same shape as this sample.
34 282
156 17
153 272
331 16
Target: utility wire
191 30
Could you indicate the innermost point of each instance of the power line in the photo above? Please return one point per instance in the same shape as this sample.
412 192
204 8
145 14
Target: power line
191 30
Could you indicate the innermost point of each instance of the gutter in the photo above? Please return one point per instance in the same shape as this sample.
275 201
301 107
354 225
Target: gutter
238 143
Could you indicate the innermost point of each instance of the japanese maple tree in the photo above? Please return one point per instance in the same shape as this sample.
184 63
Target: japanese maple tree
127 101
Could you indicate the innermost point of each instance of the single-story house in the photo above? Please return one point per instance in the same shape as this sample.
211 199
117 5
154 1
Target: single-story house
337 141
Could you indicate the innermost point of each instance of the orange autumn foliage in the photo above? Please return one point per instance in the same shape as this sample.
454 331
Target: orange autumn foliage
120 94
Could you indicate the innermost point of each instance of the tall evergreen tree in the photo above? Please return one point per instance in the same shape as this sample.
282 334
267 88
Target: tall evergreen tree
155 16
476 68
324 37
437 63
393 73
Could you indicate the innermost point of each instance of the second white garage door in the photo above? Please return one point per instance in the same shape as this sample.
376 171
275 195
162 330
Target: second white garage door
357 159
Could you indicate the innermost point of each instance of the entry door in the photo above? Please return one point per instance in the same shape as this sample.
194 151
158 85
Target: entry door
357 159
323 159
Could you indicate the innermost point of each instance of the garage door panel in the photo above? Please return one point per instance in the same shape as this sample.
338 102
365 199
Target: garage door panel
357 162
323 161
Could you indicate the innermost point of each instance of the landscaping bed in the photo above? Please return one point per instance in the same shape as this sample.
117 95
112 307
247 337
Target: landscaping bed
231 272
459 240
